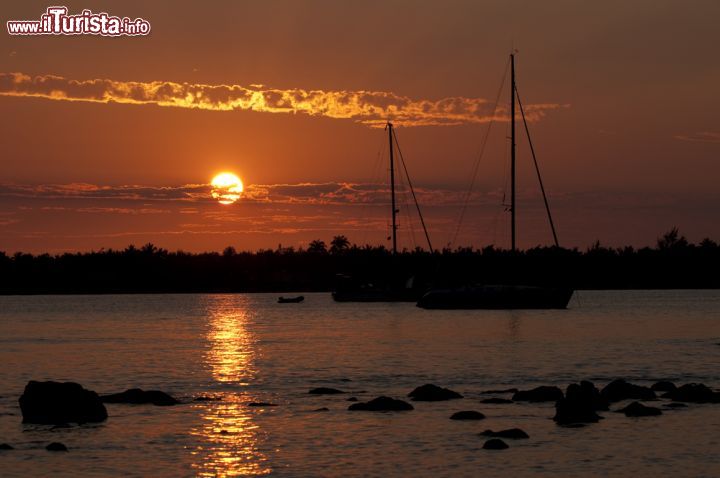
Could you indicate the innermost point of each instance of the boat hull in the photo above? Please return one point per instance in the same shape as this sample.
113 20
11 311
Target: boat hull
375 296
497 297
290 300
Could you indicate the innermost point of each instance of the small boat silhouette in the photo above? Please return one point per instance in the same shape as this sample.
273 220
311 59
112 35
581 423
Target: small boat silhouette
290 300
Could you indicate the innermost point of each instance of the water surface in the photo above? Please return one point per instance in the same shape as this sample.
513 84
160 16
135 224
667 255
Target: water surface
247 348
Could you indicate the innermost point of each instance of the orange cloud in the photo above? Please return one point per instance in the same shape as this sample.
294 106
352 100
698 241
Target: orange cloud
369 107
702 137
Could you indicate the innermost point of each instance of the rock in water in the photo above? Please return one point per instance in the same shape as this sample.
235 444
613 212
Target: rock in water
539 394
432 393
137 396
60 402
325 391
467 415
382 404
663 386
56 446
579 404
512 433
505 390
496 400
618 390
261 404
5 446
636 409
694 393
495 444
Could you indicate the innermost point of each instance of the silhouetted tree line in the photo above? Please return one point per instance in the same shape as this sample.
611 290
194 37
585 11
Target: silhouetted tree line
673 263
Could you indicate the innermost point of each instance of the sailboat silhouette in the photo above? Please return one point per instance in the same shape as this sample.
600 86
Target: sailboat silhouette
505 296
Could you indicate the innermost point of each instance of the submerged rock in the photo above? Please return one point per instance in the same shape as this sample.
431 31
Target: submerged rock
676 405
56 446
60 402
663 386
496 400
352 399
325 391
261 404
507 390
636 409
5 446
433 393
580 404
382 404
512 433
619 389
694 393
137 396
467 415
323 409
543 393
495 444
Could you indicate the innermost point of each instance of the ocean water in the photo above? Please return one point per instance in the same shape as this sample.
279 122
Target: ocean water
247 348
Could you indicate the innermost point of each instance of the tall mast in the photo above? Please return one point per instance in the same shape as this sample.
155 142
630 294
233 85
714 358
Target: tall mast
392 188
512 150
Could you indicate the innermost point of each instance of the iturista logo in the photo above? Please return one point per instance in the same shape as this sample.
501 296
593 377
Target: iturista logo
56 21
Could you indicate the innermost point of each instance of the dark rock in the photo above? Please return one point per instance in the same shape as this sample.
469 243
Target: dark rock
495 444
580 404
60 402
323 409
496 400
512 433
432 393
382 404
676 405
5 446
636 409
507 390
325 391
539 394
663 386
467 415
137 396
224 432
618 390
352 399
56 446
694 393
261 404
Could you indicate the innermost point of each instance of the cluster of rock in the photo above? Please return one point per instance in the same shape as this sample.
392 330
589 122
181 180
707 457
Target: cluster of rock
61 403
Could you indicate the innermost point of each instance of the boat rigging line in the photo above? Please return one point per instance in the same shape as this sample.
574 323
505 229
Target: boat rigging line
537 169
412 190
476 166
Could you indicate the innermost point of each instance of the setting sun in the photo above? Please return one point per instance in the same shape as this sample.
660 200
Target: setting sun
227 188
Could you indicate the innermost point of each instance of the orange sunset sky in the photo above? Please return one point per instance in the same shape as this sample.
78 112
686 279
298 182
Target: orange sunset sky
113 141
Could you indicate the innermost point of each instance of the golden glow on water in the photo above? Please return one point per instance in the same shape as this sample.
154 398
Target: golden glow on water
230 436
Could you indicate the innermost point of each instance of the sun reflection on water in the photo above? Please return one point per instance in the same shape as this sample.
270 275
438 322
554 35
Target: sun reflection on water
230 437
